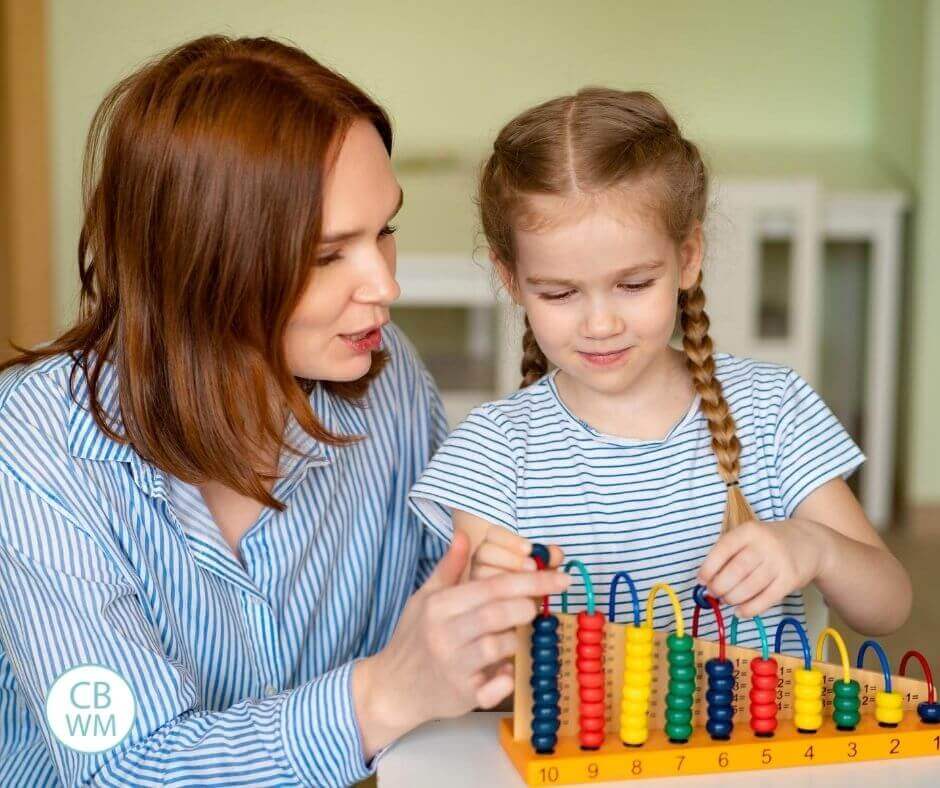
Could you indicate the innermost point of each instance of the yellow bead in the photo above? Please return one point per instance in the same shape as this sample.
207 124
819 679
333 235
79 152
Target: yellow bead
889 707
808 678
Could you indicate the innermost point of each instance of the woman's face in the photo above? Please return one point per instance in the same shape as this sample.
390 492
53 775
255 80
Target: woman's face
335 327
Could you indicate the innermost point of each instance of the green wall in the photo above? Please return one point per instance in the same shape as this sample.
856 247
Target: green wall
754 81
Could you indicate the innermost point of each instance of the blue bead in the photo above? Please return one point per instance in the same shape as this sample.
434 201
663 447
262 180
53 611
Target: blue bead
718 698
544 653
545 668
721 713
544 744
722 685
543 682
929 712
551 712
546 697
543 624
544 639
541 551
719 729
545 726
719 668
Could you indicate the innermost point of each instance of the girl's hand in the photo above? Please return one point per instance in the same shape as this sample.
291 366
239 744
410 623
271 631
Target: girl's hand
503 551
755 565
450 633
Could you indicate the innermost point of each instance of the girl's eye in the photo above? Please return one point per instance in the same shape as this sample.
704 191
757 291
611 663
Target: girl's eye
388 229
635 286
556 296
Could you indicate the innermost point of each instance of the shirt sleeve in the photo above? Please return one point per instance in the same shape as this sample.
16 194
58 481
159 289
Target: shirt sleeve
474 471
810 444
65 603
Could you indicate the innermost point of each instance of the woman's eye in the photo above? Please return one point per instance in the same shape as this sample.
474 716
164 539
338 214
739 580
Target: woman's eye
328 258
556 296
388 229
635 286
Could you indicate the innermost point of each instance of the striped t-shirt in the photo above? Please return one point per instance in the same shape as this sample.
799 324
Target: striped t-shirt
651 507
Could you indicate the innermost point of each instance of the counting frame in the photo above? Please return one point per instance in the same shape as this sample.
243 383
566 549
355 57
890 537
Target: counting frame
700 753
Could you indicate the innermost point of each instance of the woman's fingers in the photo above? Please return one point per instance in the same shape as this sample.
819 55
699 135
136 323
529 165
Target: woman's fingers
512 542
505 585
498 616
556 556
486 651
496 689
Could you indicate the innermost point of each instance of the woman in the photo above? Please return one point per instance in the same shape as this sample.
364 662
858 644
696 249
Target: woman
202 482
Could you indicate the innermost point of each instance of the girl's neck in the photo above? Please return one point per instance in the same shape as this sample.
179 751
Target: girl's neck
647 410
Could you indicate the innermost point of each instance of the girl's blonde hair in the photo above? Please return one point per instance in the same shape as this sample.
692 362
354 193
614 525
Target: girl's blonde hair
582 146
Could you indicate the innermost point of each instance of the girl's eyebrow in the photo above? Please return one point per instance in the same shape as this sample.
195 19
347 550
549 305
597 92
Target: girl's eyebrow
350 234
650 266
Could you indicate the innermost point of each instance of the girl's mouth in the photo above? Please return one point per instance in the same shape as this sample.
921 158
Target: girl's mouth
604 359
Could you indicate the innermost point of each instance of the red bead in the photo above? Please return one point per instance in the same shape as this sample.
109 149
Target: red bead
590 636
590 679
764 667
763 697
591 621
590 665
592 724
592 740
590 650
592 709
591 694
767 725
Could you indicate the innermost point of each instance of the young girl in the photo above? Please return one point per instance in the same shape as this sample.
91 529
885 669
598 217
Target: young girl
684 466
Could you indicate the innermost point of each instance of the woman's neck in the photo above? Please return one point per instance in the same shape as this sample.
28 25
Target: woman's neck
647 410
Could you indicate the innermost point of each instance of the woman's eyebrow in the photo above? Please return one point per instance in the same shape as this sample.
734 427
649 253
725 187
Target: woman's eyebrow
350 234
651 265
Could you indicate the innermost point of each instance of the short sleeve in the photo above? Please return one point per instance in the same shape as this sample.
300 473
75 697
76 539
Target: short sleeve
811 445
473 471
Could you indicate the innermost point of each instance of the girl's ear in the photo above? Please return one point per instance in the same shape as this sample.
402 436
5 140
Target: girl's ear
691 252
505 276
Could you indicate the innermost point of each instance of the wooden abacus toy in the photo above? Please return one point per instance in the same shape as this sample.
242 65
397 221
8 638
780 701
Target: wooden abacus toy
599 700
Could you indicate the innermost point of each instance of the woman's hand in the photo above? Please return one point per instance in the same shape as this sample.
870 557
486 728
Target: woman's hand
755 565
435 664
503 551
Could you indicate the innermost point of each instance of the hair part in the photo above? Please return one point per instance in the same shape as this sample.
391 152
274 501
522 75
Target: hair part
203 186
588 145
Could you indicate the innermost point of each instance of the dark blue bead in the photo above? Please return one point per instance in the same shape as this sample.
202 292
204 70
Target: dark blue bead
545 726
721 713
544 744
718 697
540 551
544 653
546 697
543 682
719 729
551 712
543 624
719 668
723 684
545 668
929 712
544 639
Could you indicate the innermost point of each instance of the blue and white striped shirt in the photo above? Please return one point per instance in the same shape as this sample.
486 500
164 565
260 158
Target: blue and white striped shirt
241 673
651 507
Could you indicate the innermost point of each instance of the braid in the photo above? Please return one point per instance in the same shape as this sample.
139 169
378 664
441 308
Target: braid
701 364
534 363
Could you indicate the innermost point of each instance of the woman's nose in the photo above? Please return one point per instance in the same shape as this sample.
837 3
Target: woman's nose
378 285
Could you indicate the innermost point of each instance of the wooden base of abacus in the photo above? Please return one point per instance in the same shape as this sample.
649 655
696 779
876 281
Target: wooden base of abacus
744 751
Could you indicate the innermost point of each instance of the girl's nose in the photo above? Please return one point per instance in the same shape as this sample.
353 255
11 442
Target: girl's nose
602 322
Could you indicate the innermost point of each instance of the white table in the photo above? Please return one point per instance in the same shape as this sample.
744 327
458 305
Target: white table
465 753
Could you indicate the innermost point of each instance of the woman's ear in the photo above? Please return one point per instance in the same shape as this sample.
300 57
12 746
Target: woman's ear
691 252
505 276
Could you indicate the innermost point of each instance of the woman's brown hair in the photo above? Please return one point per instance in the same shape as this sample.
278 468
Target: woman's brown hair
203 185
586 144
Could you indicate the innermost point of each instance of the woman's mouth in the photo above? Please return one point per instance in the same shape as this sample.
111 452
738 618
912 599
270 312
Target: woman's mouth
604 359
364 341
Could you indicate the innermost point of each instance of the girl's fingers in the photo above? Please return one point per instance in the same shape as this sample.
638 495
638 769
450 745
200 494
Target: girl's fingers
723 551
733 573
556 556
505 538
500 556
749 587
762 602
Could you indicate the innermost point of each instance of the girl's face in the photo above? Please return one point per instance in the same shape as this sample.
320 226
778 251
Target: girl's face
600 288
336 324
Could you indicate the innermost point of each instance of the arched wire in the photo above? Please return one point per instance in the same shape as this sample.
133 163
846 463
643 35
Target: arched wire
588 586
761 630
840 644
612 601
676 607
875 646
711 602
925 666
804 640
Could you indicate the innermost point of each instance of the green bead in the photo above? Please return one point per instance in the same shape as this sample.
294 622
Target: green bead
682 687
681 658
678 716
846 704
674 701
676 643
846 689
679 732
846 719
682 672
